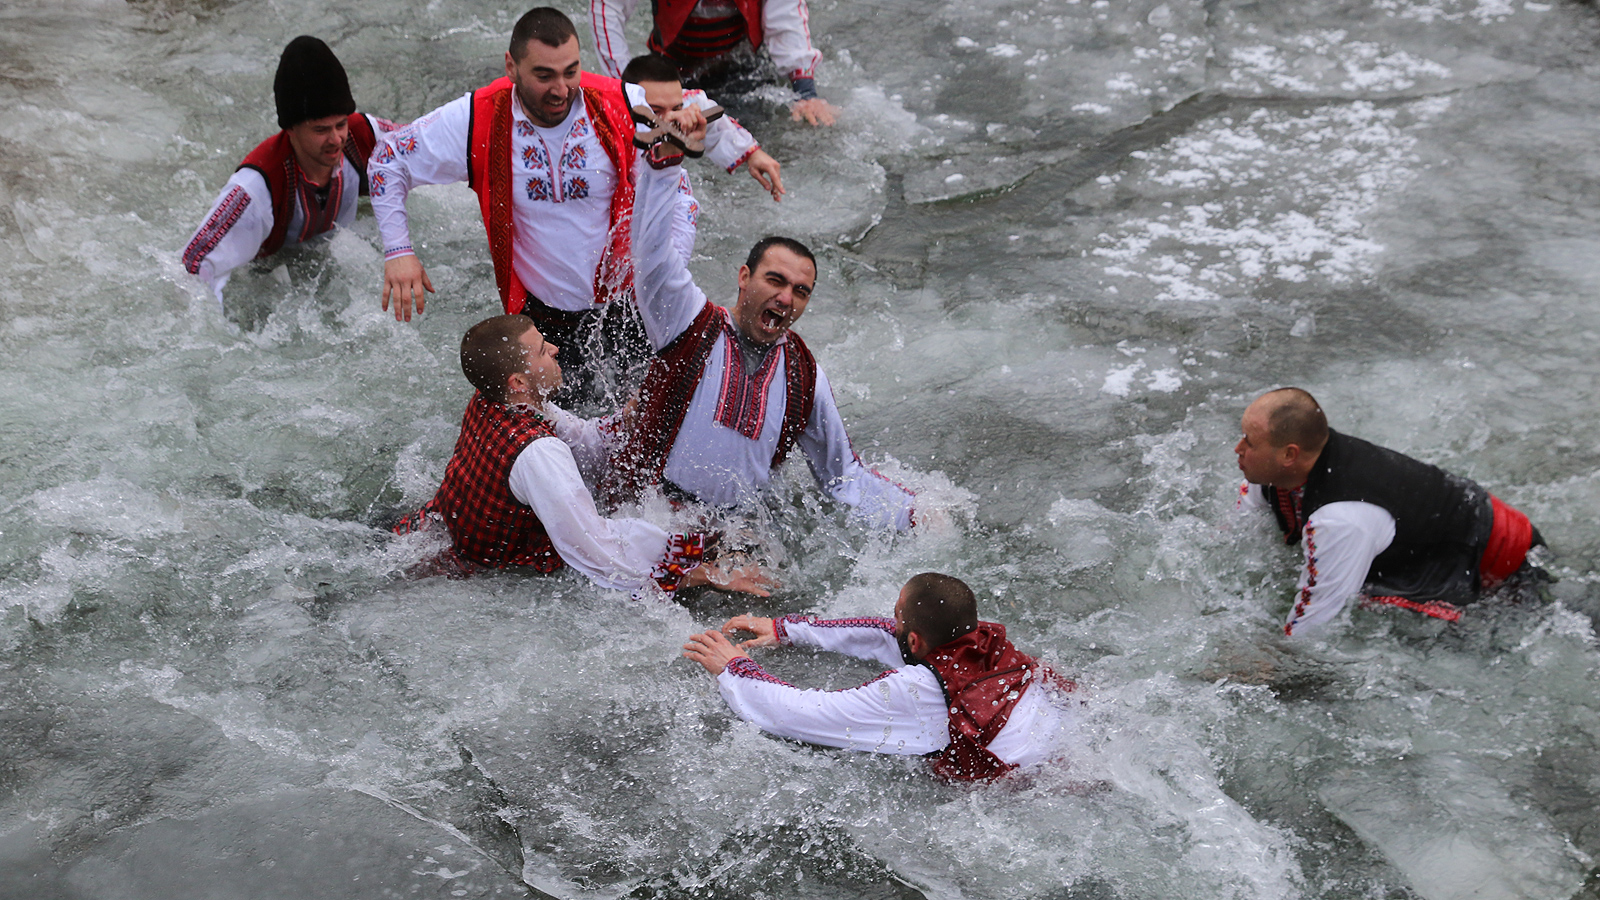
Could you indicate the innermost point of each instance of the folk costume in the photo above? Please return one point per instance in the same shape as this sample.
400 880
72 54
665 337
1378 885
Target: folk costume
697 34
269 204
977 705
512 497
1379 524
715 416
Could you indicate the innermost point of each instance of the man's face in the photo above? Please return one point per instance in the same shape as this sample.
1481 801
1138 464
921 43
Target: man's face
543 372
663 96
773 297
546 80
1259 460
318 143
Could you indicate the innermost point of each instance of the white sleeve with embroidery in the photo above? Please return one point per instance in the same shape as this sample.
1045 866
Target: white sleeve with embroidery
431 150
787 24
1340 541
900 712
1251 499
614 553
727 142
232 232
666 293
588 439
864 637
870 496
686 221
606 19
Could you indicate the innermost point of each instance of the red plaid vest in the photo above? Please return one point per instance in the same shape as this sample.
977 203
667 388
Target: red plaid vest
488 525
983 676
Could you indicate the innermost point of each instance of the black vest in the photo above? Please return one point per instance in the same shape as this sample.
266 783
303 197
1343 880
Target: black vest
1441 521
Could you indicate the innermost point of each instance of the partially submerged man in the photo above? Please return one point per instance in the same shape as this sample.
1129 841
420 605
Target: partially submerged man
548 149
1374 523
959 688
730 391
715 41
298 184
727 143
512 496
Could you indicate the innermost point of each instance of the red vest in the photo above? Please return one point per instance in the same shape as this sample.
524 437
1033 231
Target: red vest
670 16
658 411
489 174
489 526
274 159
983 677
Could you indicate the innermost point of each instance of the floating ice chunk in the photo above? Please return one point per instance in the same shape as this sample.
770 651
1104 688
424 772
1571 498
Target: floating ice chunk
1120 381
1454 830
1005 50
966 43
1305 326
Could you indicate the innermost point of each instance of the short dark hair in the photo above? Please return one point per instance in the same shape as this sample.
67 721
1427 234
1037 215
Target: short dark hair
491 352
940 608
759 251
545 24
651 67
1296 418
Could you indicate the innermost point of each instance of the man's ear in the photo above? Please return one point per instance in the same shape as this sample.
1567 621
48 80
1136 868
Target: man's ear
517 383
1290 454
919 647
744 276
511 65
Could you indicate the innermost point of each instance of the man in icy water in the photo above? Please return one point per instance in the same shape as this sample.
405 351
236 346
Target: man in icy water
714 42
729 392
547 148
300 182
1374 523
512 495
959 689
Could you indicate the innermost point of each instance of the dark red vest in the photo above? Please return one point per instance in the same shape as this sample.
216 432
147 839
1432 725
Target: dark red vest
488 524
489 174
983 677
274 159
657 413
671 15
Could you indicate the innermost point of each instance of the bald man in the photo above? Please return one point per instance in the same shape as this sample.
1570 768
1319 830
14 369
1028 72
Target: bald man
1373 523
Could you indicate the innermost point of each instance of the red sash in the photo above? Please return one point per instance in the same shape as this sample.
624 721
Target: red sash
274 159
489 174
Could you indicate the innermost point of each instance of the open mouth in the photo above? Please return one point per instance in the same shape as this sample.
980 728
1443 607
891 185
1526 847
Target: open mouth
773 319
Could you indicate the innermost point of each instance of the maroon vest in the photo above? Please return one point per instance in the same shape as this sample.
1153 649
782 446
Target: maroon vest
274 159
675 36
489 526
656 414
983 677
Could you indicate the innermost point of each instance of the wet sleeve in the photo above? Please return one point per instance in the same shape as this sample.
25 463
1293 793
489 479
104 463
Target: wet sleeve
686 221
607 19
1340 541
232 232
590 440
863 637
1251 500
431 150
621 554
787 24
900 712
871 497
666 293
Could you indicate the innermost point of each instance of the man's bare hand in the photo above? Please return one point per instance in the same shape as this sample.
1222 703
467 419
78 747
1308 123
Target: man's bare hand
690 122
407 283
746 579
764 169
712 650
816 111
766 633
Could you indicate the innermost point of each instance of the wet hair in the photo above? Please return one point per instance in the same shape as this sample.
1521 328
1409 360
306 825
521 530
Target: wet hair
651 67
491 352
1296 418
940 608
545 24
759 251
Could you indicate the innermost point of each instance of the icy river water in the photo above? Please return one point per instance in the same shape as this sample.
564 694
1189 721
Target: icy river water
1062 243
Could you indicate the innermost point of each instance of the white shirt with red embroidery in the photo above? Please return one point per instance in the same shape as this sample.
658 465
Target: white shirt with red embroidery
1340 541
903 711
620 553
716 463
728 144
240 220
785 26
561 187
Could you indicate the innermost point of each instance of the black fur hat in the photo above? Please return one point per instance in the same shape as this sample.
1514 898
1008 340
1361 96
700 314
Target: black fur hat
310 83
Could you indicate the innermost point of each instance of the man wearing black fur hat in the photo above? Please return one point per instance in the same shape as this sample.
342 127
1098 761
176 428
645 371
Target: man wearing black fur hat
300 182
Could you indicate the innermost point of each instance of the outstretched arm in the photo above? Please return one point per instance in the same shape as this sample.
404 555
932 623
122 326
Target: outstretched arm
1340 541
431 150
871 496
232 232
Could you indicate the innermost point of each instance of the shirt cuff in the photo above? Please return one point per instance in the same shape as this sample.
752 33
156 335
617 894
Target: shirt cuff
805 87
684 553
398 252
